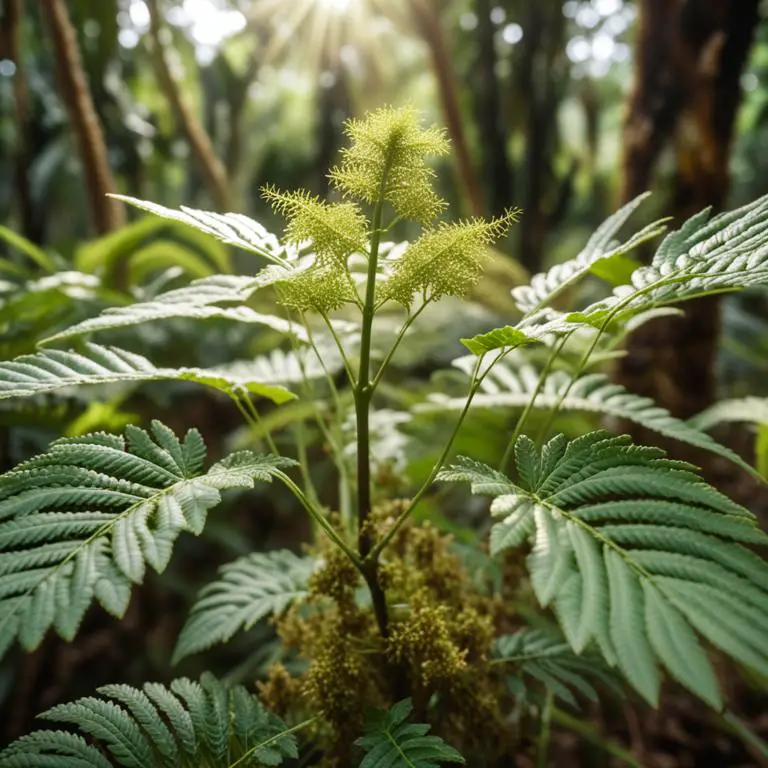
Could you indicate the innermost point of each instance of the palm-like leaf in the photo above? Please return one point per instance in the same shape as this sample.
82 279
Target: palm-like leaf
246 591
185 725
83 521
391 742
52 370
636 553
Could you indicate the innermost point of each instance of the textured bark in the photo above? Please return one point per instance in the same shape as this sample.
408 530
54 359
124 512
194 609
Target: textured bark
214 172
427 21
107 214
496 168
689 62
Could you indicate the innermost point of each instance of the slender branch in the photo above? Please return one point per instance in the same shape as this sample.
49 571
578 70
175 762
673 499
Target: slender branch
199 141
257 420
321 521
529 405
271 740
406 325
107 214
342 352
542 748
475 383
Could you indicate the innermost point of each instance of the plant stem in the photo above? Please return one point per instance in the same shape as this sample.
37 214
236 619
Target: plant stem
363 392
406 513
529 405
406 325
546 723
321 520
590 734
244 758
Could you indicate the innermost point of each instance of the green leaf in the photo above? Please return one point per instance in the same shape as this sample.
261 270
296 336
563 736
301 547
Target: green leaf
84 521
752 410
391 742
601 250
53 370
199 300
637 554
231 228
28 248
509 385
184 726
500 338
247 590
545 656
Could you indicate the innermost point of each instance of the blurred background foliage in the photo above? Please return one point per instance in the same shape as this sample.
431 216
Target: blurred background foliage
566 108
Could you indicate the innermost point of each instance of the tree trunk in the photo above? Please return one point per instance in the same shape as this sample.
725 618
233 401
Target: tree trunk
427 22
214 172
497 170
107 214
690 58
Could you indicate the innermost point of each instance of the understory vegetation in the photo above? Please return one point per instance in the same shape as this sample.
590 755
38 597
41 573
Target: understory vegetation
595 568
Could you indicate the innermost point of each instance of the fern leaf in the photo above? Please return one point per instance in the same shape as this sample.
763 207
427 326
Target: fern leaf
545 656
391 742
702 257
546 286
635 553
200 300
83 521
508 386
184 726
752 410
52 369
231 228
247 590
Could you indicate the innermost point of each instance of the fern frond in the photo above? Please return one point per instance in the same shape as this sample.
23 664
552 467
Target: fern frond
751 410
601 246
231 228
51 370
700 258
186 725
199 300
391 742
512 386
83 521
247 590
637 554
545 656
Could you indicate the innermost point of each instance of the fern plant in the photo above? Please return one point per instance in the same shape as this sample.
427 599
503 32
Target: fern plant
641 562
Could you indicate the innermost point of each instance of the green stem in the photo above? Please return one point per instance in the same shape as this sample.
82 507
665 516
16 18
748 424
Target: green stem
546 727
257 421
406 513
342 352
321 520
363 392
406 325
271 740
529 405
590 734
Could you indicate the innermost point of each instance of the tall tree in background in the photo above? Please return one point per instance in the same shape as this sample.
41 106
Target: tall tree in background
689 61
106 213
496 167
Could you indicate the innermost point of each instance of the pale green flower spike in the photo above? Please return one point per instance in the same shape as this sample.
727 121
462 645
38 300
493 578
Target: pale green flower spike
319 289
336 230
390 145
445 261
